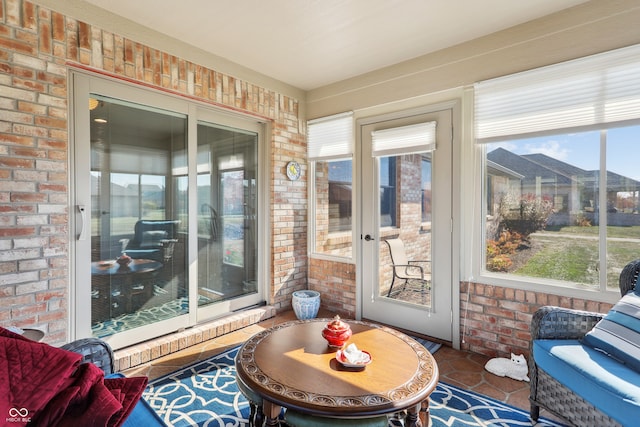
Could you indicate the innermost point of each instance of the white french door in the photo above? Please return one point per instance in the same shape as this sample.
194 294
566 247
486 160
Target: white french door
407 200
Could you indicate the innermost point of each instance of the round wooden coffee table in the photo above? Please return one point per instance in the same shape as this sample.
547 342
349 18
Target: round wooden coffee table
290 365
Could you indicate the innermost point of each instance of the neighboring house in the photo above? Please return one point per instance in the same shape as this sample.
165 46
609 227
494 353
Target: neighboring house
570 188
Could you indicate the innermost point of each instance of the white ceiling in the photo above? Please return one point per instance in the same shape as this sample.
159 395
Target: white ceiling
312 43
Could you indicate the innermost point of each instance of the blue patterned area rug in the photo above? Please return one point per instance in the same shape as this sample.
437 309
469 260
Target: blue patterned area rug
205 394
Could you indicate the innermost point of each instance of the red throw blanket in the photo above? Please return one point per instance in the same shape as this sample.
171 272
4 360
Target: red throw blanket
41 385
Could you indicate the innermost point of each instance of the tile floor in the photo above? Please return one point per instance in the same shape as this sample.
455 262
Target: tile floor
459 368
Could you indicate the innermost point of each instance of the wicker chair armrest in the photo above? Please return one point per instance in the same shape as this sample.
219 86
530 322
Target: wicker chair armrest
551 322
93 350
629 276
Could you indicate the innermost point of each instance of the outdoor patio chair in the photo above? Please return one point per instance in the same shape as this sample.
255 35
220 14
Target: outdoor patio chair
417 271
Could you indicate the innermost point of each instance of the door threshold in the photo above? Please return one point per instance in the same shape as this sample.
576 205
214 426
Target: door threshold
156 348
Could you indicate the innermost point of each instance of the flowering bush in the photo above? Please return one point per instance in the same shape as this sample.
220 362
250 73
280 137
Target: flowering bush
499 263
498 251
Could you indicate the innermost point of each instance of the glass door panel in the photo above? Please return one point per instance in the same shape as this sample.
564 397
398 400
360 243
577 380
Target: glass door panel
227 199
405 199
138 216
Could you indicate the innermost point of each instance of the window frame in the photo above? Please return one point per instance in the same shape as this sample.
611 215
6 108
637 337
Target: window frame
337 152
476 218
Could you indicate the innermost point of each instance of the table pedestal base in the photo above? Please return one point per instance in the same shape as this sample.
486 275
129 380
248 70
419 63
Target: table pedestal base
417 416
272 413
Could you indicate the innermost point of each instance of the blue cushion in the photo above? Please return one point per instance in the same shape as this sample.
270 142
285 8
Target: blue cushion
608 385
618 334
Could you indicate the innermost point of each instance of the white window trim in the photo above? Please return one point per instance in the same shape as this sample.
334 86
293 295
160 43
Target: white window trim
339 150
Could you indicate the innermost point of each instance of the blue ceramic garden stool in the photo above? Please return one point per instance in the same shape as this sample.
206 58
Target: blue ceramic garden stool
305 304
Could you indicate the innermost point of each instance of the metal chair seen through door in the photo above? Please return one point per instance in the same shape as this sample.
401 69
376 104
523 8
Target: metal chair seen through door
406 270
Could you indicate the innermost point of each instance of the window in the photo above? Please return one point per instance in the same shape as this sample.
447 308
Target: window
330 149
560 195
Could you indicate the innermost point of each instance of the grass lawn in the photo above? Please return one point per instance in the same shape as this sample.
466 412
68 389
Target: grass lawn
571 254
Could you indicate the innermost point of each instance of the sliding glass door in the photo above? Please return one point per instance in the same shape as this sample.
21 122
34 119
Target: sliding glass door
165 198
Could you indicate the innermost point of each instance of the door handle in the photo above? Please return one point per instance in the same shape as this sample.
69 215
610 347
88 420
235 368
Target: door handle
368 238
83 220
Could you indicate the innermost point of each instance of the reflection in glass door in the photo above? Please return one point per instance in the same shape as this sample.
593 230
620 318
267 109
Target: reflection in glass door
227 197
138 216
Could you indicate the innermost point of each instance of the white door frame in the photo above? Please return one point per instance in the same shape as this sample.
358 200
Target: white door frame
361 295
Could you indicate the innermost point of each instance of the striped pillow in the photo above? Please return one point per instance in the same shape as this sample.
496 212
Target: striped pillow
618 334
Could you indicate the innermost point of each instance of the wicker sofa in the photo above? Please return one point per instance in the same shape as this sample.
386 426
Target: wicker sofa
574 381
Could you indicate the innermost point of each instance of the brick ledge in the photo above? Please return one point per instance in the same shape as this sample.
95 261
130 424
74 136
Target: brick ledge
158 347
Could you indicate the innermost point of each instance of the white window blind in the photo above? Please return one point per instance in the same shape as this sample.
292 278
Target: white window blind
594 92
330 137
417 138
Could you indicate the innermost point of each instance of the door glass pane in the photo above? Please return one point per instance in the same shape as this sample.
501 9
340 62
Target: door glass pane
405 228
138 216
227 245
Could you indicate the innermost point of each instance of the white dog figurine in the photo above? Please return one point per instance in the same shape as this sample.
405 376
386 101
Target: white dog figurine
515 368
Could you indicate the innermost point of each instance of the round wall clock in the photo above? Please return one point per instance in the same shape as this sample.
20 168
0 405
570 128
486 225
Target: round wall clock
293 171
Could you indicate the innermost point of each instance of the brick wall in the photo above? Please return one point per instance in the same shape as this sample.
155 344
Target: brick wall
37 48
495 321
336 282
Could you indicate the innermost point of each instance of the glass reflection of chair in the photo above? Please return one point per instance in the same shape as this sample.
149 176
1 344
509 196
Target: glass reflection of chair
152 239
416 271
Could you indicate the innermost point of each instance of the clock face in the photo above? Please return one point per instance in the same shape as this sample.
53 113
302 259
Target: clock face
293 171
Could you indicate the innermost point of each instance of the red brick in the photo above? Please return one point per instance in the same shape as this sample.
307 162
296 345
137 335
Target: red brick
28 197
29 18
17 46
45 37
17 232
58 26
